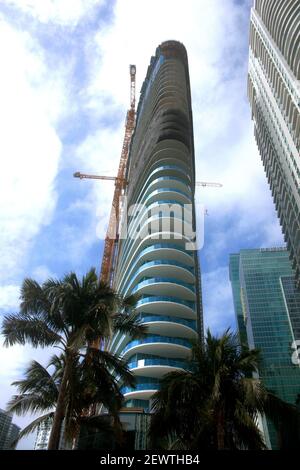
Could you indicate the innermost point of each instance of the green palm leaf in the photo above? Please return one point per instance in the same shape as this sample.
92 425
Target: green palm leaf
24 329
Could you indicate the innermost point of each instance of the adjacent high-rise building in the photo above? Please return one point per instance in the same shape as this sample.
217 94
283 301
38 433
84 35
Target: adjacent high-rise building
43 435
157 260
9 431
267 307
274 94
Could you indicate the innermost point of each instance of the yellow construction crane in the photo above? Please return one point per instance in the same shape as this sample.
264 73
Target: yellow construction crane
110 244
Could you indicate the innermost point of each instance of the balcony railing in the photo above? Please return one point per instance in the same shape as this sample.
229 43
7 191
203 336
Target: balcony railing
166 318
158 362
169 280
157 339
165 298
141 387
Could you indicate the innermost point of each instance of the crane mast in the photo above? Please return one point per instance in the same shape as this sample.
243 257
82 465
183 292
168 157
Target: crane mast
112 234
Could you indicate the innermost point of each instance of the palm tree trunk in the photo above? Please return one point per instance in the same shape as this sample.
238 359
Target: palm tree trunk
60 408
220 430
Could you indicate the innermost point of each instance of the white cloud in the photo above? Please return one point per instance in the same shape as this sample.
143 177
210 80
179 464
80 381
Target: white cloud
14 361
99 154
217 300
9 296
41 273
139 27
61 12
29 147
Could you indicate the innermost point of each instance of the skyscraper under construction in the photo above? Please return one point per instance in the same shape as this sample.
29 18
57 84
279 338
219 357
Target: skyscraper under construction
157 257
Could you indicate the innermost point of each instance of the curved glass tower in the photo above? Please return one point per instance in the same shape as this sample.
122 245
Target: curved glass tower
157 260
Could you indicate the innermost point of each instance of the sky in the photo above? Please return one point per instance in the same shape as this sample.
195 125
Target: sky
64 92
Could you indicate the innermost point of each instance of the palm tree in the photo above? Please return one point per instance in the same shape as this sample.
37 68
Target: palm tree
216 403
74 316
39 391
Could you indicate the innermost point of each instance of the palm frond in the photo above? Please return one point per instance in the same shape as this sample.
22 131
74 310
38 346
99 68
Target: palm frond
279 411
29 402
23 329
246 432
78 339
37 379
33 298
34 425
253 392
58 362
97 358
129 302
127 324
90 280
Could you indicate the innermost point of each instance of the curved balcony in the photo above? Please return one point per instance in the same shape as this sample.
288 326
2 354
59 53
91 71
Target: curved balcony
168 170
169 202
156 367
169 193
154 229
177 213
170 263
167 263
129 251
159 362
160 225
166 325
142 391
163 222
161 268
168 182
167 253
164 205
156 207
165 286
168 304
144 318
162 251
165 170
170 250
169 326
159 346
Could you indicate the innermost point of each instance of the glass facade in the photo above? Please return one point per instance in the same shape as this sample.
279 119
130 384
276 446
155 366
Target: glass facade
292 298
156 260
8 431
236 292
274 95
265 296
43 435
